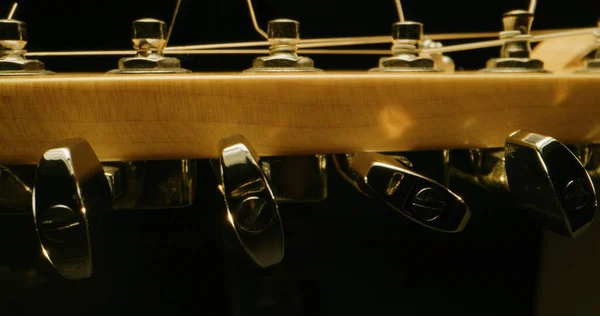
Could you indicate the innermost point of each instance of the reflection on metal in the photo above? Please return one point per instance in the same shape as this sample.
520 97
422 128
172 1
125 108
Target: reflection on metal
13 39
407 37
149 40
152 184
421 199
15 195
251 207
543 175
70 196
515 53
283 34
296 179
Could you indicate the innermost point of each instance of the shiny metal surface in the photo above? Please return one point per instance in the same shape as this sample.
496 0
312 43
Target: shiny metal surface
515 53
13 39
296 179
15 194
407 37
546 177
421 199
442 62
145 185
149 41
284 35
70 196
251 207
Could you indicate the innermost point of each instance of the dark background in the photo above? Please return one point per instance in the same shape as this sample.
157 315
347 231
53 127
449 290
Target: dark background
349 255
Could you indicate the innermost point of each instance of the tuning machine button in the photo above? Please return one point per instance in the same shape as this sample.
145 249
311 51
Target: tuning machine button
70 196
407 37
419 198
543 176
251 207
283 34
149 41
13 39
516 51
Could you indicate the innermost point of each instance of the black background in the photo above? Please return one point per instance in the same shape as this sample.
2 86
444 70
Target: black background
349 255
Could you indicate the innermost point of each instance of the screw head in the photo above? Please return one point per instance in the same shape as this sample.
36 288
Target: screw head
283 28
429 204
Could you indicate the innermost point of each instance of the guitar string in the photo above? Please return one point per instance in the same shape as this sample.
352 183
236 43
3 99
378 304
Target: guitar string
175 13
443 49
254 21
400 10
362 40
12 10
532 5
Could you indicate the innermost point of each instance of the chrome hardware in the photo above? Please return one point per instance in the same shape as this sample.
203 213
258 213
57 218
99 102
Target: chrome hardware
72 191
13 39
15 194
70 197
251 207
149 41
149 185
296 179
442 62
283 35
405 57
543 176
515 53
593 65
421 199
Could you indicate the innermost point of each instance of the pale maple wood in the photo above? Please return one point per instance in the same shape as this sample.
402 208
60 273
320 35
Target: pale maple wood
564 54
138 117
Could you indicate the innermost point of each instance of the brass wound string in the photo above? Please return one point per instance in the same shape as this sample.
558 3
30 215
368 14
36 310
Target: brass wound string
400 10
175 13
12 10
254 21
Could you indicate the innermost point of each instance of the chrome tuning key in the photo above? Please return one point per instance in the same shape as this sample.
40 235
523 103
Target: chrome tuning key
407 37
73 191
543 176
149 40
253 187
251 207
515 54
13 39
593 65
417 197
284 35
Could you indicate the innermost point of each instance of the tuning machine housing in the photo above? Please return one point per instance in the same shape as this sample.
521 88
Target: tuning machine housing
413 195
284 35
73 191
407 37
253 187
149 41
515 55
542 175
13 39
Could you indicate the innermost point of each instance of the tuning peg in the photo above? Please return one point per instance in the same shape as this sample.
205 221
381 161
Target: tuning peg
407 37
593 65
283 34
149 41
515 53
73 191
419 198
70 196
13 39
543 176
251 207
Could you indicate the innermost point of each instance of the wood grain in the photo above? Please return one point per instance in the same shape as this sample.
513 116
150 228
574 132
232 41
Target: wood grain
137 117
